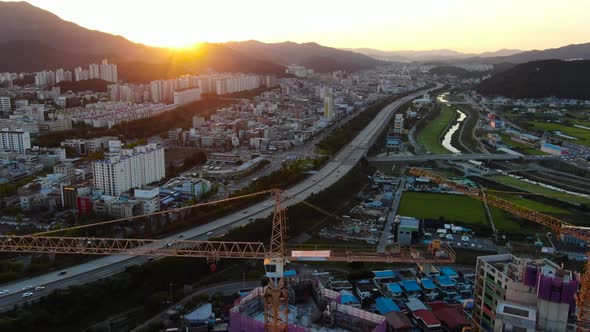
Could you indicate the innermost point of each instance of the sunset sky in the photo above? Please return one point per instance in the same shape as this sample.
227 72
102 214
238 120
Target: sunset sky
464 25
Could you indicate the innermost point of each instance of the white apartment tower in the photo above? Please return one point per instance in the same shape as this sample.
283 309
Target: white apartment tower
187 96
125 169
108 72
59 75
77 74
156 90
93 71
15 140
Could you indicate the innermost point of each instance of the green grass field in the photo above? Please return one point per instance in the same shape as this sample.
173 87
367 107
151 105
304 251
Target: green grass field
534 205
434 205
509 225
583 135
521 147
429 136
468 211
534 188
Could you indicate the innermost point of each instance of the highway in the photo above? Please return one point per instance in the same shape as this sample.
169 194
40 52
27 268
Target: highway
103 267
466 156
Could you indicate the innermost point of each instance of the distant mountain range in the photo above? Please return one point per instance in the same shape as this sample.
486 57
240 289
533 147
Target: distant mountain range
574 51
428 55
538 79
311 55
33 39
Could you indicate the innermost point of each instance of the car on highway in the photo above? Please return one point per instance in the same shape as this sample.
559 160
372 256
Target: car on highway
4 291
251 219
245 211
28 287
62 273
180 236
27 294
209 233
39 288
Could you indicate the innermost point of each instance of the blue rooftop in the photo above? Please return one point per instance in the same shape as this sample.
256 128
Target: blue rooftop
411 285
168 199
428 284
290 273
444 280
384 274
552 146
449 272
202 313
346 297
386 305
394 288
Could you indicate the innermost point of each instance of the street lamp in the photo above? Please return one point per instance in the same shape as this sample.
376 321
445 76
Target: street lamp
171 284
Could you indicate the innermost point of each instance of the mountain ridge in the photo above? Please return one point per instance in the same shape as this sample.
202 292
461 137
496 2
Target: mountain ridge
428 55
539 79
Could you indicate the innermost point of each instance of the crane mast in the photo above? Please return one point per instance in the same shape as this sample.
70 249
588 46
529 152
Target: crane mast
276 294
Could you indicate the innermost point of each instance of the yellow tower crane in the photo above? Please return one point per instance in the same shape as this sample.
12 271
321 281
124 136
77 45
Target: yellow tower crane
275 293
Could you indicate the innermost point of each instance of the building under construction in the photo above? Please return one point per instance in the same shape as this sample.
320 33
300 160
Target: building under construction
516 293
312 307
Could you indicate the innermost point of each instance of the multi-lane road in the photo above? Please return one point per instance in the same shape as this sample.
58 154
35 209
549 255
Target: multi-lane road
103 267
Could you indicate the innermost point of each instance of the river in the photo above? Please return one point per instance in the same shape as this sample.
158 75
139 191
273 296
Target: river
447 140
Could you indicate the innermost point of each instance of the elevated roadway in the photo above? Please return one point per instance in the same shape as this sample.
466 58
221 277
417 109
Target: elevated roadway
466 156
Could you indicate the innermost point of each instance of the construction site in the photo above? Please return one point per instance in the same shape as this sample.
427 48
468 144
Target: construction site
503 293
311 307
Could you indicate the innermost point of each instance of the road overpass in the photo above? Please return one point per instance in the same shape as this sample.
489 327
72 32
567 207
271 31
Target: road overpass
467 156
330 173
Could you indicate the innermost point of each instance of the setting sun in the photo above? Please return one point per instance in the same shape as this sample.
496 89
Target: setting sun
376 24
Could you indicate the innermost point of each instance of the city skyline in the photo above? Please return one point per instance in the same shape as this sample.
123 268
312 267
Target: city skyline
460 25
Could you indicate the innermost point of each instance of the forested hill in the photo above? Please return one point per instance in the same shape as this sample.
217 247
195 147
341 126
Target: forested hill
539 79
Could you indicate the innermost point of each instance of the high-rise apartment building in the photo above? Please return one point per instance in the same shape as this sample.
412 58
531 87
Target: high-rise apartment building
68 76
59 75
108 72
93 71
4 104
77 74
187 96
398 124
14 140
329 107
124 169
516 294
